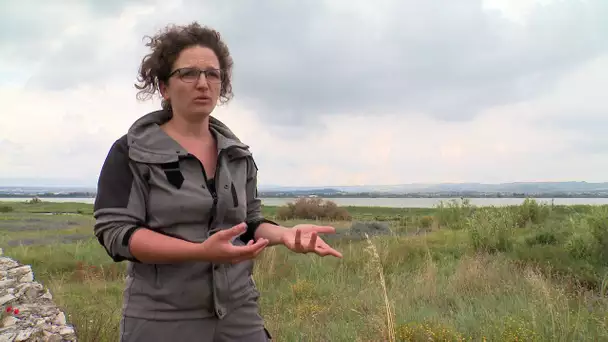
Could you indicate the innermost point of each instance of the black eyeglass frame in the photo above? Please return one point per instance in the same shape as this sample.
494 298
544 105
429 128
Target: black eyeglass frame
181 73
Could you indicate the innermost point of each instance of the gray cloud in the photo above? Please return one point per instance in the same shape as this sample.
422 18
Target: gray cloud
110 8
298 60
32 36
27 28
446 59
29 21
584 134
82 60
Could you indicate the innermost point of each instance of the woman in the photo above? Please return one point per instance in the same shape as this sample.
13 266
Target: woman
177 199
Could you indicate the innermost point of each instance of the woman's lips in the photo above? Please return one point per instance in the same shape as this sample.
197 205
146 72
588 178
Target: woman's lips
202 99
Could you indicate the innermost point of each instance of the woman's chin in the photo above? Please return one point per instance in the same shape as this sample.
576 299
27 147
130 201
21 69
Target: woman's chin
201 110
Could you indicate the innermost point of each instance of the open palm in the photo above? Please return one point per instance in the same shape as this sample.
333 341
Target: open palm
304 238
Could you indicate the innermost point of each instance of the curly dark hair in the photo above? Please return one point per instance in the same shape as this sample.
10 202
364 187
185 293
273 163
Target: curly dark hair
166 46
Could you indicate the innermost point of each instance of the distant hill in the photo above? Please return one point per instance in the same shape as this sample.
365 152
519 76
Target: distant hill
515 187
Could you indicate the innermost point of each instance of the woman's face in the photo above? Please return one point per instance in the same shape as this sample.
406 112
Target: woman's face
193 93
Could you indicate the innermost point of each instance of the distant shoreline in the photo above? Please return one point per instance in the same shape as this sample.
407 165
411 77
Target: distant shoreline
363 196
358 202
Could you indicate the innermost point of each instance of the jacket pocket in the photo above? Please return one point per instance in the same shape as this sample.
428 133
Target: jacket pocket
235 197
141 283
184 287
240 281
239 277
237 212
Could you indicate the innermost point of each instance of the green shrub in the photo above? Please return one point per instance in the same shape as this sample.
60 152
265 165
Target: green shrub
6 209
370 228
491 230
598 225
542 238
581 245
34 200
531 212
453 214
426 222
312 209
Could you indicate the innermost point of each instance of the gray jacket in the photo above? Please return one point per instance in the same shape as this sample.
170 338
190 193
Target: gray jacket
148 180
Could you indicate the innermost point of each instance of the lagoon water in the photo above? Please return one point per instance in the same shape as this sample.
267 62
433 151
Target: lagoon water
385 202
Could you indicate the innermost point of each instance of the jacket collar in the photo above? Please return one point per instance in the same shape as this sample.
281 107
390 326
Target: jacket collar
148 143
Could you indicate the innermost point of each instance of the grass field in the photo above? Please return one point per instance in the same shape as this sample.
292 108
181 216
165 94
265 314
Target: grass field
452 273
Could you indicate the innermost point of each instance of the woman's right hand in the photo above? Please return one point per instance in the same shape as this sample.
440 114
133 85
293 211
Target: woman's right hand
218 248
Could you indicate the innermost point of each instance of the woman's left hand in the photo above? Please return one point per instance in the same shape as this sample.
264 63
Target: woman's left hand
303 238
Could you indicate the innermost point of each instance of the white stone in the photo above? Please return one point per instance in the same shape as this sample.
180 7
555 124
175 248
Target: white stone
7 283
7 298
7 264
30 290
9 321
52 338
8 336
66 331
39 319
25 334
17 271
28 277
47 295
59 319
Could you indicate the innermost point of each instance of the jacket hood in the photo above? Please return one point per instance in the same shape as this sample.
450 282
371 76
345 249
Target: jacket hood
148 143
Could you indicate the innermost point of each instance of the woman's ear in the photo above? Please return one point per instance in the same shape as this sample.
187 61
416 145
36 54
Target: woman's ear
162 87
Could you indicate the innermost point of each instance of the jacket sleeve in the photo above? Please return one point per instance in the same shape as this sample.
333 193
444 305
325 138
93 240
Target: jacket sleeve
254 203
120 204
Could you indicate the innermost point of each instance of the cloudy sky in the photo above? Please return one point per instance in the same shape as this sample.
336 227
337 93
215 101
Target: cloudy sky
326 92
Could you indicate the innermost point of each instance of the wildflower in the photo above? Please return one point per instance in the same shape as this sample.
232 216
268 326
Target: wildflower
16 311
9 308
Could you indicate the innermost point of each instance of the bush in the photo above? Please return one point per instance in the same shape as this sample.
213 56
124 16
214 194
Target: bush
542 238
581 246
6 209
574 247
371 228
531 212
427 331
598 224
34 200
426 222
491 230
453 214
313 209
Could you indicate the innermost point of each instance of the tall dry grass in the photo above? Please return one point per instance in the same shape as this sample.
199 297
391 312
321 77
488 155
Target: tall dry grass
377 266
500 274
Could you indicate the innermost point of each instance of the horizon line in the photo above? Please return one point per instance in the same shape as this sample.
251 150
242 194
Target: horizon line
340 186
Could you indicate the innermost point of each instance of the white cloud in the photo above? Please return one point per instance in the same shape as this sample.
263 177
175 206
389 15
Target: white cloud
53 128
515 10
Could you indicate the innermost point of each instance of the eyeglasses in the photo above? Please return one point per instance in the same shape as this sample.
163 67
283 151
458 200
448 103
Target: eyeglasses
191 75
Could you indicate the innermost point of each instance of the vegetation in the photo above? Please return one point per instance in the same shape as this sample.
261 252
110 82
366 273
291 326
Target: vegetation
313 209
453 273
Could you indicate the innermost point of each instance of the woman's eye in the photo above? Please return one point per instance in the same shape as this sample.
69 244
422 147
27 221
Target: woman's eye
213 74
190 73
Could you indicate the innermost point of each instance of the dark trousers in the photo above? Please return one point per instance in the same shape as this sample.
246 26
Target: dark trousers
243 324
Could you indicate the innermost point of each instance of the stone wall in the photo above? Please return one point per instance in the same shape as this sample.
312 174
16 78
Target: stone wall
28 312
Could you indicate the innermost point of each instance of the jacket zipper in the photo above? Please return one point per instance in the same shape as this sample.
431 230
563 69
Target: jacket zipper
214 192
215 178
